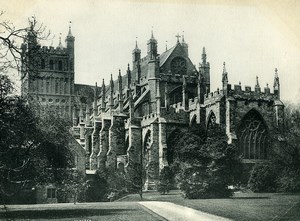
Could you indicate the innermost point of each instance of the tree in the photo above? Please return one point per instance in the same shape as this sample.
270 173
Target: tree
165 180
207 165
13 40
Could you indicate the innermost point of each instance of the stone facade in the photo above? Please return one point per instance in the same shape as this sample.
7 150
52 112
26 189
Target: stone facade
135 116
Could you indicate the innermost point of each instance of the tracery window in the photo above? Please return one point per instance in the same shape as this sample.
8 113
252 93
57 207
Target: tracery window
253 137
178 65
211 123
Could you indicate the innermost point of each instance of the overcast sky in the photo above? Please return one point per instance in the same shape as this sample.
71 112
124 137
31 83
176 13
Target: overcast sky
253 38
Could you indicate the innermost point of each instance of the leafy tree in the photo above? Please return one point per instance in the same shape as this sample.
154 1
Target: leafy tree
208 165
165 180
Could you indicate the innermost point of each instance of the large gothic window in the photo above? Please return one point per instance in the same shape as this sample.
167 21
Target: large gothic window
178 66
253 136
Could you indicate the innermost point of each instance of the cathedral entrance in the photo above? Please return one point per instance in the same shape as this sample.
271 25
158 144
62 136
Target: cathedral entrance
253 139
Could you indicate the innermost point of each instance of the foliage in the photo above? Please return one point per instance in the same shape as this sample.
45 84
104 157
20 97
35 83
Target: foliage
208 165
98 186
165 180
33 150
263 178
289 180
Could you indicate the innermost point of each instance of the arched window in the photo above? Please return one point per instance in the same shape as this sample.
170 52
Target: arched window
43 64
51 65
147 146
60 65
253 138
211 123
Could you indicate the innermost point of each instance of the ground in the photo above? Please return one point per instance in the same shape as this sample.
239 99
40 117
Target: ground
242 206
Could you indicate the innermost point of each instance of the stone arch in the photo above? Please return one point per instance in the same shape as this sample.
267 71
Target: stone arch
175 95
253 136
172 138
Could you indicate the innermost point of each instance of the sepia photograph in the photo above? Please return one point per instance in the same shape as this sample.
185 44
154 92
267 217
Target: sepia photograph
141 110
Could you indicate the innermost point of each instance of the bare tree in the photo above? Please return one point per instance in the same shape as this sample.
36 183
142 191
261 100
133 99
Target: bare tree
14 53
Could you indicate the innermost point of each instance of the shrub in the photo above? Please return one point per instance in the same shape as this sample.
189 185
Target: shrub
165 180
289 180
263 178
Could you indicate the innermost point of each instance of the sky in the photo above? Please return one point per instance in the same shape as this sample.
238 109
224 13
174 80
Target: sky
252 37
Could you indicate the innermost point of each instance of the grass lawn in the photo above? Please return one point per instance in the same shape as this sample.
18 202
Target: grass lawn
242 206
80 212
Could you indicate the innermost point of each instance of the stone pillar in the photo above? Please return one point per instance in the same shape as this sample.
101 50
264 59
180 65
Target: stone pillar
230 120
162 144
95 145
152 169
104 143
116 140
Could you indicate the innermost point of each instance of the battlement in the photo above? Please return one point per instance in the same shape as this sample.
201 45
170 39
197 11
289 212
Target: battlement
52 50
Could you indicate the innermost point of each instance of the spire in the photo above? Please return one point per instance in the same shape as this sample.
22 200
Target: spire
257 83
136 44
120 92
152 36
128 76
224 79
177 36
111 83
203 56
95 106
70 32
276 85
60 44
166 45
183 37
111 95
103 106
257 87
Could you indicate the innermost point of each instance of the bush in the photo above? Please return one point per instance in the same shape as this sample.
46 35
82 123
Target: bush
289 180
263 178
165 180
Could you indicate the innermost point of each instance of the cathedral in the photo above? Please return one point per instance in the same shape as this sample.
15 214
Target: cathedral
135 116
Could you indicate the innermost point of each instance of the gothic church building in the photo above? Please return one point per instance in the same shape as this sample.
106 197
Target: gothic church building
134 117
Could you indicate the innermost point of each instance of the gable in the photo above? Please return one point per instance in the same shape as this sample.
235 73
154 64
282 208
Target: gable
167 57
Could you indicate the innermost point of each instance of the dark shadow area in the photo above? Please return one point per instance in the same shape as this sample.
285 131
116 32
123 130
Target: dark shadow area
66 213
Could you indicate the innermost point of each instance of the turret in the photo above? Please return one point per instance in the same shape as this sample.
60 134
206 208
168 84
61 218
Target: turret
60 46
257 87
120 92
276 85
185 46
70 39
32 36
136 54
95 107
152 47
103 105
224 79
204 69
128 77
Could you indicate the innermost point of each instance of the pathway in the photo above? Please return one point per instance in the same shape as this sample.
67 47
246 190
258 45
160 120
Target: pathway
174 212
